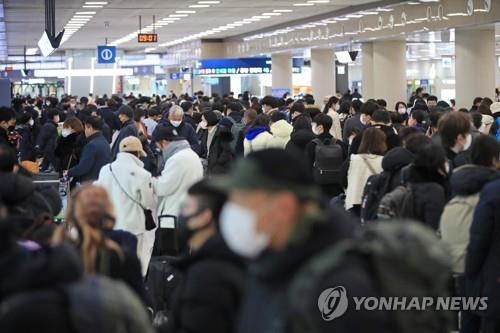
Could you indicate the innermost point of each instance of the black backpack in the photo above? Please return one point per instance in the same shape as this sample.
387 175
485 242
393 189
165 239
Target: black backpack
400 203
329 157
375 189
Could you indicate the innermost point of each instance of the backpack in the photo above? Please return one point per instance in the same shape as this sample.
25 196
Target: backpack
329 157
400 203
376 187
236 130
403 259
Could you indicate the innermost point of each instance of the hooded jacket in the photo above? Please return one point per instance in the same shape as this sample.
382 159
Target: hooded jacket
393 163
281 131
220 155
130 188
466 183
257 139
298 142
182 169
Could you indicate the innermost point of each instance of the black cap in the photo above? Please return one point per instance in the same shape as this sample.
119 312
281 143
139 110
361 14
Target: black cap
126 110
168 133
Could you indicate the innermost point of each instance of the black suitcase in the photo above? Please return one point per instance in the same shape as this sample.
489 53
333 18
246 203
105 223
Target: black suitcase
166 237
161 281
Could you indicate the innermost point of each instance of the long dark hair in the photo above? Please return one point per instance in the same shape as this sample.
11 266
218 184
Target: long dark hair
331 101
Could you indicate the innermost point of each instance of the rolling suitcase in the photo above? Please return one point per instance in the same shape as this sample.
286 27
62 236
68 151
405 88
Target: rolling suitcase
165 237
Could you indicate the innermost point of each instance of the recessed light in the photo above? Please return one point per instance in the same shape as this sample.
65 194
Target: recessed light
178 15
91 6
83 16
303 4
261 16
85 13
185 11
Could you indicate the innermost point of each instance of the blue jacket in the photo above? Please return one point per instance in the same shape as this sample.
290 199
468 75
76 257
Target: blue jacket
95 155
482 264
128 129
184 130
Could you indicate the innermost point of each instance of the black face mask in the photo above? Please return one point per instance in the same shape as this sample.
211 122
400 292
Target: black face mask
183 233
11 128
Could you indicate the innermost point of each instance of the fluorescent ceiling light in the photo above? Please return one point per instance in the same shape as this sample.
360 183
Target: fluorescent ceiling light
303 4
271 14
96 3
85 13
83 16
283 10
209 2
457 14
384 9
178 15
185 11
261 17
199 6
368 13
342 19
354 16
32 51
92 6
318 1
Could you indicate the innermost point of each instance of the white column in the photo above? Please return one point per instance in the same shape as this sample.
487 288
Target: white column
475 67
281 65
174 85
389 71
322 73
367 71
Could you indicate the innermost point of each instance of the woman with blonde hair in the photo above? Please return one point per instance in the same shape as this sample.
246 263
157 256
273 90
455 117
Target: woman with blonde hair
90 213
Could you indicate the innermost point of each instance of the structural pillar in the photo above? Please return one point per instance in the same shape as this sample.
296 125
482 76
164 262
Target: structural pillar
322 73
389 71
281 65
475 66
174 85
367 71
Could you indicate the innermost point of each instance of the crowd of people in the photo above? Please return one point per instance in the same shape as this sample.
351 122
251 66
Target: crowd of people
264 203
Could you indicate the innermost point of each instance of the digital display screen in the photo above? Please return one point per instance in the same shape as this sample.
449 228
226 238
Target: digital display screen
147 38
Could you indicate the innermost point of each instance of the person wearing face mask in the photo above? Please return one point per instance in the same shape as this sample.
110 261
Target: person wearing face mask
70 144
326 156
402 110
274 220
25 128
130 187
258 136
176 119
7 123
331 109
210 268
215 144
95 153
454 128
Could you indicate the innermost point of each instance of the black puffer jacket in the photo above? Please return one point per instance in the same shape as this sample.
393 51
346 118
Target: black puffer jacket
299 139
208 298
220 157
470 179
430 195
69 149
393 163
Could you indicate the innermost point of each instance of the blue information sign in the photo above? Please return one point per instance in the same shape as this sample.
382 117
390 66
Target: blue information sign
106 54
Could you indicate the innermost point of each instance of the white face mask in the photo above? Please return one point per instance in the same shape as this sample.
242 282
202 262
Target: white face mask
47 103
363 120
313 127
337 107
175 123
238 228
402 110
468 141
72 105
203 125
65 132
31 122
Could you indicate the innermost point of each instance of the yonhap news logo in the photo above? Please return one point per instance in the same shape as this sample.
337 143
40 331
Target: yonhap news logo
334 302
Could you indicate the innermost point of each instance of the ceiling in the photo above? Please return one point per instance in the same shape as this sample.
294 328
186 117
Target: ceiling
25 19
